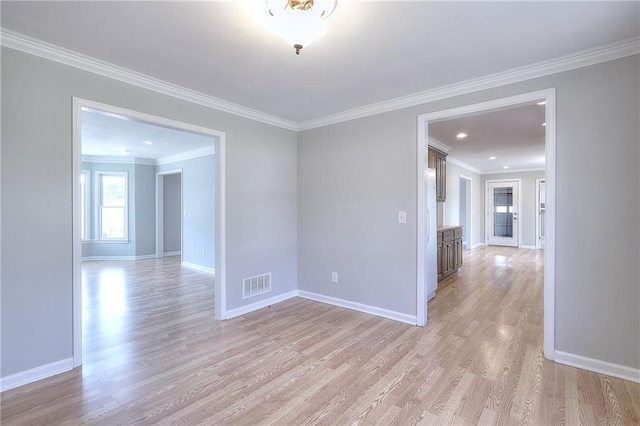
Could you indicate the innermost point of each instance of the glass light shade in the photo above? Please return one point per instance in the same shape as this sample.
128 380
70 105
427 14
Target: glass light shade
299 27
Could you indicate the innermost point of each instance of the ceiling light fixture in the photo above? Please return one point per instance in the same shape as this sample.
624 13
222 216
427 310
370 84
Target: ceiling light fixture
544 124
300 22
542 103
148 143
505 167
461 135
492 158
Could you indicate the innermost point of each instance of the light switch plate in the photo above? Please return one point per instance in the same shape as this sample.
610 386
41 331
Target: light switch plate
402 217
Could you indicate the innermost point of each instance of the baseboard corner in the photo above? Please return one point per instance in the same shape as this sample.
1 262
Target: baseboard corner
598 366
38 373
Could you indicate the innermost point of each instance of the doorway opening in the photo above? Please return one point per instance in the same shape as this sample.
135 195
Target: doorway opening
169 208
466 203
138 235
546 97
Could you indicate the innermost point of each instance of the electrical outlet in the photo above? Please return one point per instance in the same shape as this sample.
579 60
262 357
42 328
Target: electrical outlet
402 217
203 253
334 277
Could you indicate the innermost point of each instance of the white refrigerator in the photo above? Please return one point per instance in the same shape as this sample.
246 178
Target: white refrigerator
431 232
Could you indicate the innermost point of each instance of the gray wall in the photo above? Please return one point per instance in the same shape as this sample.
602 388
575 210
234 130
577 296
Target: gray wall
198 175
36 306
171 206
145 214
353 177
528 198
343 185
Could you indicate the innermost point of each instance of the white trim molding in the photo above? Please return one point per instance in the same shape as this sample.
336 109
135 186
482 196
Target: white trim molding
183 156
502 171
219 137
585 58
435 143
23 43
17 41
232 313
172 253
462 164
549 95
367 309
199 267
33 375
597 366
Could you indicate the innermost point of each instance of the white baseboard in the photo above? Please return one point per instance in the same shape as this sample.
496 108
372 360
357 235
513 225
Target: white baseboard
372 310
199 267
597 366
35 374
476 245
260 304
141 257
526 246
171 253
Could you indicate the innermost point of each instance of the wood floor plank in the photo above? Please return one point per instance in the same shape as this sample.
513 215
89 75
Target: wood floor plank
153 354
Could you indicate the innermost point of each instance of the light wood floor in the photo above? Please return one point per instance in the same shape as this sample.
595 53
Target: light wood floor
154 354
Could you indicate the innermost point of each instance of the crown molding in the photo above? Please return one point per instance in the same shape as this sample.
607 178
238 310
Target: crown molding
439 145
499 172
464 165
117 160
585 58
58 54
183 156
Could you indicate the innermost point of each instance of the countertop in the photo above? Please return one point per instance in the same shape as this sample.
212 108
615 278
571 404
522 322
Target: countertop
447 227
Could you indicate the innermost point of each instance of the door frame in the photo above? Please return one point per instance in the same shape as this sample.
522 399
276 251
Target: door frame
160 212
467 227
548 95
488 203
220 301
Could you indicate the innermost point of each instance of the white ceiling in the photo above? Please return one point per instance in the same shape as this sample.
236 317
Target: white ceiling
515 136
375 51
113 135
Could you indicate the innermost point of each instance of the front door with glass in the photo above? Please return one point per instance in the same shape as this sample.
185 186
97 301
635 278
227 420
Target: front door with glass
502 213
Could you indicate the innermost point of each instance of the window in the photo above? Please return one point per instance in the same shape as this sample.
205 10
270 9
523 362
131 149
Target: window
84 205
112 205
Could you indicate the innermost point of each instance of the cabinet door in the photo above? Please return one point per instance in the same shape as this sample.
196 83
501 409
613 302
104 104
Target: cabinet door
432 159
458 253
439 261
448 258
441 173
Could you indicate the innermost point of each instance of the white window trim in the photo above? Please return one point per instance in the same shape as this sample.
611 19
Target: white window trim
98 209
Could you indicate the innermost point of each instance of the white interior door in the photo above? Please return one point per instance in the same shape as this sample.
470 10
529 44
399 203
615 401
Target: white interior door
502 213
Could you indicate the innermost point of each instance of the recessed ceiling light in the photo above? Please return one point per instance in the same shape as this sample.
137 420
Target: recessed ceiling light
461 135
541 103
544 124
148 143
492 158
505 167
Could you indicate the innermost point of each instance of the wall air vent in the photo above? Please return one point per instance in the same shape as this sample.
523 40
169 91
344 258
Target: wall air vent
254 286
